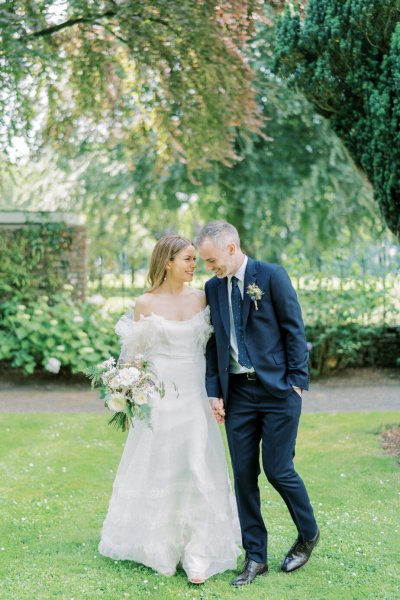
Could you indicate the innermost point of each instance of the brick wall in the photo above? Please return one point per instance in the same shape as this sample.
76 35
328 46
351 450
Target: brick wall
72 263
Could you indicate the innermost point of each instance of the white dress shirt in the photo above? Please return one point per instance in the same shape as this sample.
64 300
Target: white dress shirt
234 365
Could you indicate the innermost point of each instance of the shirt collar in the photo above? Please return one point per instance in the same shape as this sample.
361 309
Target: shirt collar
241 270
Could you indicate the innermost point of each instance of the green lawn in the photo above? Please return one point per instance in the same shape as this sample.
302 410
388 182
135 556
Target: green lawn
56 473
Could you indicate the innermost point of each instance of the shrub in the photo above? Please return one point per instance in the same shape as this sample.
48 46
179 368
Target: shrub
31 334
350 322
337 346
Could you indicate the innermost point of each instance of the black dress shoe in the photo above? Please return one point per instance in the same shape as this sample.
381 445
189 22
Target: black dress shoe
250 572
299 554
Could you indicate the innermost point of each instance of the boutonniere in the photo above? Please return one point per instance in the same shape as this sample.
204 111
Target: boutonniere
255 293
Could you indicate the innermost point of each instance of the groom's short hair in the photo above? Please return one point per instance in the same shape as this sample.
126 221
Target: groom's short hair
219 232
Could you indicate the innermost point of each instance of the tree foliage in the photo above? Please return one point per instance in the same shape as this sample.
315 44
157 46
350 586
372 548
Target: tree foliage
344 55
171 73
295 192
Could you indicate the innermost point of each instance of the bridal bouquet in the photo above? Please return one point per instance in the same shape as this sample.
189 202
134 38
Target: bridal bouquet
126 388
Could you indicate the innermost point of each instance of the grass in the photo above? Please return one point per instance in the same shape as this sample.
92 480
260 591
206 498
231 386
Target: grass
56 473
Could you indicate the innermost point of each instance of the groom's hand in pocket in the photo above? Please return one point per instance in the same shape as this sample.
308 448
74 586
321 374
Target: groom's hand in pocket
298 390
217 406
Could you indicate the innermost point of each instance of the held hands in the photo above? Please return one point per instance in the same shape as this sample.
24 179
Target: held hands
217 406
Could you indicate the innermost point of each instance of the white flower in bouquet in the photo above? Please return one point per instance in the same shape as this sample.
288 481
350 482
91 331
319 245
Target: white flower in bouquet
117 403
108 375
126 389
125 377
107 364
141 398
53 365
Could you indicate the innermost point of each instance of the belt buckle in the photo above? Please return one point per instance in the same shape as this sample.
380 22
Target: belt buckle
251 376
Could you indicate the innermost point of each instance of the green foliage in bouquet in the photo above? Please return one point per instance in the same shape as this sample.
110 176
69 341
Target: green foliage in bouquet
127 389
54 335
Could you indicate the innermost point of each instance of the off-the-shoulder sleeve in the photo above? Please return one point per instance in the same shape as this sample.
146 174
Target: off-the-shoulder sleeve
206 329
132 336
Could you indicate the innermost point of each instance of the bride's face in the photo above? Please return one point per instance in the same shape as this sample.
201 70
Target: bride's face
183 265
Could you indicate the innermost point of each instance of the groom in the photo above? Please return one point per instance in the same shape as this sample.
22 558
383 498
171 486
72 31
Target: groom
256 371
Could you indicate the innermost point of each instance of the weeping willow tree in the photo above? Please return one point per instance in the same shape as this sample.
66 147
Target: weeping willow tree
344 55
172 74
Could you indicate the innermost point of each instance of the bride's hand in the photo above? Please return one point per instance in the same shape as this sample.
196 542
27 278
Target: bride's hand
217 406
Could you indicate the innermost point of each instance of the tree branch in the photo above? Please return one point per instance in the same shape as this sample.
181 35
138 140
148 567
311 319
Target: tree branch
118 37
91 19
71 23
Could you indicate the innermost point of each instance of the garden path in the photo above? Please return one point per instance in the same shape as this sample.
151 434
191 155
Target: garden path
352 390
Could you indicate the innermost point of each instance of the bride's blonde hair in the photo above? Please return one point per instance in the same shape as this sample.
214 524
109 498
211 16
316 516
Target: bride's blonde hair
165 250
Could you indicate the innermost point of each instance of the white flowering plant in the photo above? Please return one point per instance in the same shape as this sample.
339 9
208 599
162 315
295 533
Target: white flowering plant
58 334
126 388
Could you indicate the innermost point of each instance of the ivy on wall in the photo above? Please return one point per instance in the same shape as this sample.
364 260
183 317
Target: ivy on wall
33 259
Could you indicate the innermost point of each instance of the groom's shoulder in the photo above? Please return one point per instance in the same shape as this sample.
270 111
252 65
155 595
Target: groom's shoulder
270 274
212 283
267 267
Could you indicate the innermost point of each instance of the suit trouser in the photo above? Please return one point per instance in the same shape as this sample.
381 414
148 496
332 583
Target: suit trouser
253 416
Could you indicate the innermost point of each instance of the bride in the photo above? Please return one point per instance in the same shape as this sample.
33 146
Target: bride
172 501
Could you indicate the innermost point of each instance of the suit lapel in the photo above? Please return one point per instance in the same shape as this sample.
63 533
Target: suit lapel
249 278
224 305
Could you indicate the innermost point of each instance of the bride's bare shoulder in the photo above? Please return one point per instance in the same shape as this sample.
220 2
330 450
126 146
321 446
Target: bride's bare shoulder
143 305
200 297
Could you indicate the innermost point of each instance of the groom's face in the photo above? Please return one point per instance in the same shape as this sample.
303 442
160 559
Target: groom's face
218 259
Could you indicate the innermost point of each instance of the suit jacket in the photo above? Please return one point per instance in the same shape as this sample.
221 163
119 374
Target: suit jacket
274 334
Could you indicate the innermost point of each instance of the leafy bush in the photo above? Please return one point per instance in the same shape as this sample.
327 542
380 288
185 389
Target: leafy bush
32 334
337 346
346 326
354 325
348 301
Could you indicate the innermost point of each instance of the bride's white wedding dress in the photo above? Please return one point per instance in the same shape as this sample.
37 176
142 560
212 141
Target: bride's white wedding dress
172 501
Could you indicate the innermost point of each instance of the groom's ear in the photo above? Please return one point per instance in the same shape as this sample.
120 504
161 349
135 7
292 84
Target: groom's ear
231 248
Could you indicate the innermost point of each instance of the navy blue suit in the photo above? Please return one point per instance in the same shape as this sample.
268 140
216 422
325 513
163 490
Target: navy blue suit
266 410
